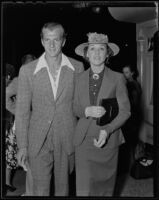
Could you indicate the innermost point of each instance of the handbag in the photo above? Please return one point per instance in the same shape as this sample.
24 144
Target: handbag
143 167
112 109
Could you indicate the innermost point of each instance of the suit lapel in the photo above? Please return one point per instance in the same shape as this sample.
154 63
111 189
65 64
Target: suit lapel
61 83
85 89
65 75
43 82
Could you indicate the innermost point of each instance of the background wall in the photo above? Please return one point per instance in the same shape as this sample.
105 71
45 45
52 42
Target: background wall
145 32
22 22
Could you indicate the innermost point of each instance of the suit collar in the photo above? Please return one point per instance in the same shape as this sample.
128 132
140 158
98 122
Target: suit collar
43 64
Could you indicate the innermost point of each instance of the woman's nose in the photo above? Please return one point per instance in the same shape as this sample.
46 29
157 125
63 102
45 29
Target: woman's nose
97 52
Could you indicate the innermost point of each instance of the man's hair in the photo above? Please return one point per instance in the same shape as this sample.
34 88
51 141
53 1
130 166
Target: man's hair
51 26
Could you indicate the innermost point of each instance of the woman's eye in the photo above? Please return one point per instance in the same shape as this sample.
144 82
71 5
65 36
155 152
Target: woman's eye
102 49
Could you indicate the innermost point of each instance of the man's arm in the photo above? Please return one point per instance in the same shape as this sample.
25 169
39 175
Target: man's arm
23 104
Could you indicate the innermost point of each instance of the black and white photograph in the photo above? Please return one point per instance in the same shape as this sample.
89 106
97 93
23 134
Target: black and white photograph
79 100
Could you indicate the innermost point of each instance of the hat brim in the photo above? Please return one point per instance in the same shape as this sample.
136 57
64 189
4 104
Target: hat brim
80 48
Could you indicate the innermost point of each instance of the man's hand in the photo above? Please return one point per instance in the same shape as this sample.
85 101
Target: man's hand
103 136
95 111
22 158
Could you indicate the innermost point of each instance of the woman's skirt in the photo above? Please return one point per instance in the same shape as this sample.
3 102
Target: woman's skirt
95 169
11 148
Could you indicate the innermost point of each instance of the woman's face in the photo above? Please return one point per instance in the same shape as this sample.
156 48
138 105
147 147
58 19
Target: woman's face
127 73
97 54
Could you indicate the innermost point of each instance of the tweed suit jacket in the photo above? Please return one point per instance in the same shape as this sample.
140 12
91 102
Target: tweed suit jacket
38 113
113 85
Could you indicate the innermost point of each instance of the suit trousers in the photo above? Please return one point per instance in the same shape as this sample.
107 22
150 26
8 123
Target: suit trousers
51 156
29 182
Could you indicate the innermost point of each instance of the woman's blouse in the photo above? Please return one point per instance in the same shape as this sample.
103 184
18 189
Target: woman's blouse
95 81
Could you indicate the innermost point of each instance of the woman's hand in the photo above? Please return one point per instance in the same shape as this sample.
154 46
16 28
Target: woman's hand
103 135
95 111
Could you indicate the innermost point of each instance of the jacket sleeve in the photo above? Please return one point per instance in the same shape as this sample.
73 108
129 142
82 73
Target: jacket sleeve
23 105
77 107
124 107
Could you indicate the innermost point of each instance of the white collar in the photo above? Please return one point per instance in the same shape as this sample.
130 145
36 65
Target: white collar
42 63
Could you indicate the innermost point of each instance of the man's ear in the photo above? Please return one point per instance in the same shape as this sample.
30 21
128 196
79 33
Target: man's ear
42 42
63 43
87 54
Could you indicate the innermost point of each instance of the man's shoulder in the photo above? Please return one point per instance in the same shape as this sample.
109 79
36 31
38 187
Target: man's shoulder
73 60
75 63
29 67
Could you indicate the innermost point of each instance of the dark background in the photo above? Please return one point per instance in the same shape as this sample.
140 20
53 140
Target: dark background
22 22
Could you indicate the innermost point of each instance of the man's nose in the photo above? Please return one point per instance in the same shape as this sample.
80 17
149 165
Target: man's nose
52 43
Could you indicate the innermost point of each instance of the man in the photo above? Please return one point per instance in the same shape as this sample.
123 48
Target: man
44 118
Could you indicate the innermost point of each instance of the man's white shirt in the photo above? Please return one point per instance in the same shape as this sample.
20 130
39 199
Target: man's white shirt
54 83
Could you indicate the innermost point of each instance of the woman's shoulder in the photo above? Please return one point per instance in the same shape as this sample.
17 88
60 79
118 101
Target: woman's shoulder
115 74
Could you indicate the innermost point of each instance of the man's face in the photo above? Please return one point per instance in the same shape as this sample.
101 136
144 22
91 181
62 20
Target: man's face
53 41
97 54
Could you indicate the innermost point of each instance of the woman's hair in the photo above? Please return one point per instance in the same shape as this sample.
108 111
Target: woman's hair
27 58
133 70
10 70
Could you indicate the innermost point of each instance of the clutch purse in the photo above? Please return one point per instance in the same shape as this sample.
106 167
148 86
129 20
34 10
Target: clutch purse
112 109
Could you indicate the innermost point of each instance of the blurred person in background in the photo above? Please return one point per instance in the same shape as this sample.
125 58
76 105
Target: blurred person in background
11 93
10 139
132 126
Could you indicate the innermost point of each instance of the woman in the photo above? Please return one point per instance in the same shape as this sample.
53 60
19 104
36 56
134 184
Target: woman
11 146
96 147
131 128
134 94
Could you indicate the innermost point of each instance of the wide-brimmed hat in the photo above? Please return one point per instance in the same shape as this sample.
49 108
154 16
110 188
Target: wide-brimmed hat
96 38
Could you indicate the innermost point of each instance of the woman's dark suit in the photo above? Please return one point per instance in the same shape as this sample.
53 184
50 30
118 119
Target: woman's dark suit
96 167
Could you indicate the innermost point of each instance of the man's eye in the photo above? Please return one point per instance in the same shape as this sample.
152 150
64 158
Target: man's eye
46 39
57 40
